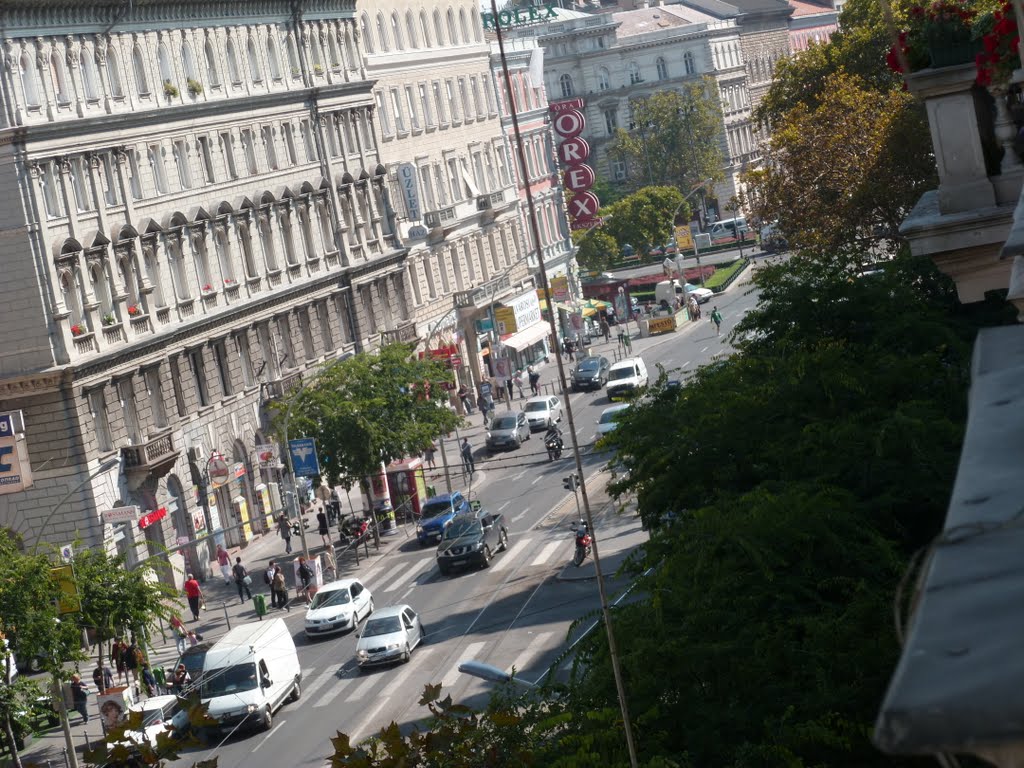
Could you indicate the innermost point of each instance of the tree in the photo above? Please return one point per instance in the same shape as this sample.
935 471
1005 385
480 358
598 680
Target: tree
596 248
674 139
843 171
372 408
644 218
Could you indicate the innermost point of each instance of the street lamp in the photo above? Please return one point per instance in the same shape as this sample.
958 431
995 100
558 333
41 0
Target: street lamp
675 240
491 673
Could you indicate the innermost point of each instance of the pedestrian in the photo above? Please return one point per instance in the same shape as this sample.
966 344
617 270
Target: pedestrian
242 579
117 655
148 680
323 528
534 381
285 529
716 318
179 632
481 403
133 658
305 578
518 381
605 329
80 697
225 564
467 404
182 680
193 638
268 579
428 455
467 457
508 386
102 676
195 596
279 590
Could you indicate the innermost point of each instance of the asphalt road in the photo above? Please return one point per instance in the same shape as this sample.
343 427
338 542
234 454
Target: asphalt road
515 614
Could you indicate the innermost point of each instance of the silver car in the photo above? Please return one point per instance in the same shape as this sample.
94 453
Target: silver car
389 635
508 430
543 411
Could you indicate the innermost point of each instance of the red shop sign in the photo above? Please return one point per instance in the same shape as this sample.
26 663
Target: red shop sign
578 178
152 517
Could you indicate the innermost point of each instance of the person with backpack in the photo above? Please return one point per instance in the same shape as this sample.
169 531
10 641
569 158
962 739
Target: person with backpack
268 579
716 318
305 578
279 590
133 658
242 579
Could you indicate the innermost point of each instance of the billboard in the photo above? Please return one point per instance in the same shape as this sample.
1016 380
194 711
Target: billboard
15 471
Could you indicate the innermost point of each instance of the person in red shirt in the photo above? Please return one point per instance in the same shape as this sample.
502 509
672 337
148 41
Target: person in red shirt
194 595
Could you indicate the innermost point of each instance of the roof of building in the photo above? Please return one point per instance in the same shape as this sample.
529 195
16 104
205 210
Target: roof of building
644 20
806 8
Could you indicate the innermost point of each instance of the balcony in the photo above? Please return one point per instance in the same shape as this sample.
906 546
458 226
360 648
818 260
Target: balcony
404 333
482 295
279 388
149 460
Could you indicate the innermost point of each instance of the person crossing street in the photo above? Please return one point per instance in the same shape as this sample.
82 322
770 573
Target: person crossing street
716 318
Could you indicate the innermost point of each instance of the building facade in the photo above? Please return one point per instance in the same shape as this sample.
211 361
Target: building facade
197 213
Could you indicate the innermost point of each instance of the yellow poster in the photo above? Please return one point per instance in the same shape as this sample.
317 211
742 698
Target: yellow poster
242 510
67 590
264 504
505 318
684 238
658 325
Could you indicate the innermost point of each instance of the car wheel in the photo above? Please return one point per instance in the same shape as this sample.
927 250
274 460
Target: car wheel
503 540
486 563
408 654
423 633
370 609
296 692
519 442
268 720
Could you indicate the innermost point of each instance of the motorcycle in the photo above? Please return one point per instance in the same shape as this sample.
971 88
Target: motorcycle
295 526
583 542
554 445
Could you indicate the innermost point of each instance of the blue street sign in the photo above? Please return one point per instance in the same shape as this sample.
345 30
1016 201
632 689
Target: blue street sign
304 461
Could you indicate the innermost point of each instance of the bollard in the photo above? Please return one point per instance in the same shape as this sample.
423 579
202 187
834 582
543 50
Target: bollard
226 619
66 763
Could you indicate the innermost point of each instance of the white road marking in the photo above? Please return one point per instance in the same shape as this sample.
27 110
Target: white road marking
363 688
535 647
319 682
274 730
502 507
405 594
536 479
413 574
453 674
391 579
520 516
508 556
332 693
686 364
704 350
546 553
419 657
520 475
371 574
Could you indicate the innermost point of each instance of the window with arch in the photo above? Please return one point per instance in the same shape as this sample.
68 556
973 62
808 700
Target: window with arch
71 293
565 86
210 54
267 243
293 56
452 32
350 49
287 235
29 81
60 79
396 31
464 26
139 71
149 263
424 29
689 65
382 32
364 29
130 280
274 58
326 234
222 248
332 50
604 79
662 69
307 231
188 62
100 287
202 260
634 73
163 61
410 30
232 55
89 79
178 280
438 28
255 73
248 260
318 53
114 74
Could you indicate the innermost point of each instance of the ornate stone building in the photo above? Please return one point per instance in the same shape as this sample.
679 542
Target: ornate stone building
197 212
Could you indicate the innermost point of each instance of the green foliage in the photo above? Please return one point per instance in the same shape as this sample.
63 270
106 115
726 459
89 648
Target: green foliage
644 218
676 138
596 248
371 408
723 272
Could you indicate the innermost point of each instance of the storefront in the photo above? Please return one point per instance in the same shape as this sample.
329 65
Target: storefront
523 335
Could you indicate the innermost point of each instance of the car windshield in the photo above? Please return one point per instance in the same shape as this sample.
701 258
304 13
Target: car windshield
621 373
333 597
609 417
504 422
460 528
435 508
590 364
383 625
534 407
226 680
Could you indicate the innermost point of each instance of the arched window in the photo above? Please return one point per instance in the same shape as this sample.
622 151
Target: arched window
318 53
163 60
139 71
149 263
274 57
604 80
382 32
178 279
245 239
188 62
688 63
565 86
662 69
212 75
267 244
202 260
332 50
114 73
101 289
254 62
425 29
464 26
71 293
233 74
453 35
223 250
130 280
438 28
364 29
350 49
634 73
287 235
29 82
60 79
88 65
293 56
326 234
307 232
410 30
396 31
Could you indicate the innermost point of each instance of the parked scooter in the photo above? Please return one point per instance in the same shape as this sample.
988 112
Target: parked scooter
583 542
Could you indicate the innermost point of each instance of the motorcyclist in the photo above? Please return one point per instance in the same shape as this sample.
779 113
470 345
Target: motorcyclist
553 433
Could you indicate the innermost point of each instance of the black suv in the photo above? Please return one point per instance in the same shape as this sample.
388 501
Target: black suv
591 373
471 538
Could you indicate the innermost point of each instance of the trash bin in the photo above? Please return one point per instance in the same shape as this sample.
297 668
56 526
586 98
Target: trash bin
260 602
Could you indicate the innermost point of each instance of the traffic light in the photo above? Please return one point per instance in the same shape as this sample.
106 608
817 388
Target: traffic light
571 483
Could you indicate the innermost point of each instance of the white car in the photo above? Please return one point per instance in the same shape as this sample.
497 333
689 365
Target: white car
338 606
390 635
703 295
610 418
160 714
543 411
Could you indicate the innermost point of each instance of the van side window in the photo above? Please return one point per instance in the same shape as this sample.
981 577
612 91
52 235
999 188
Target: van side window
264 672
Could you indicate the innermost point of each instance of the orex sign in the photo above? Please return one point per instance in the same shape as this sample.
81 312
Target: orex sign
519 17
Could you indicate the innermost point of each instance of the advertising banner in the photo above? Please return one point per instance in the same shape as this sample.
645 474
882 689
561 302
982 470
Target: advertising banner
15 472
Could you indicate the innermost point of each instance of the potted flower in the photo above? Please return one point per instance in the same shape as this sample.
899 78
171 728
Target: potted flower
318 70
207 288
134 310
170 89
194 86
77 330
229 281
109 319
997 32
937 35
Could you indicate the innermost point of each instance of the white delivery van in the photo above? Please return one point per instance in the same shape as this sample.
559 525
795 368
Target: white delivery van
728 228
626 377
248 674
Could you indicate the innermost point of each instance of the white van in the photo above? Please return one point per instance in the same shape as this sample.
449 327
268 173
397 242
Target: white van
625 377
728 228
248 674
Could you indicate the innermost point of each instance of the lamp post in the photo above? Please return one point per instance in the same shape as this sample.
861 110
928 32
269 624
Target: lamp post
675 240
491 673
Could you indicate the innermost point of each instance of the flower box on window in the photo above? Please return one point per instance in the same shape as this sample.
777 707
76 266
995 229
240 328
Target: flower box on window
230 281
134 310
207 288
194 87
108 319
170 89
77 330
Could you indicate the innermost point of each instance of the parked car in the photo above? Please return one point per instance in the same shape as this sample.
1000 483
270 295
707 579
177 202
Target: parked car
471 539
436 513
591 373
543 411
626 377
702 295
610 418
193 658
508 430
337 606
391 634
160 714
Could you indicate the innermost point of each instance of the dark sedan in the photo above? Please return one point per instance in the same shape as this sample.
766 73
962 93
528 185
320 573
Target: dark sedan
471 539
591 373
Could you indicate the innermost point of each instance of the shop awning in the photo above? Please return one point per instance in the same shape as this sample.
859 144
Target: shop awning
520 340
